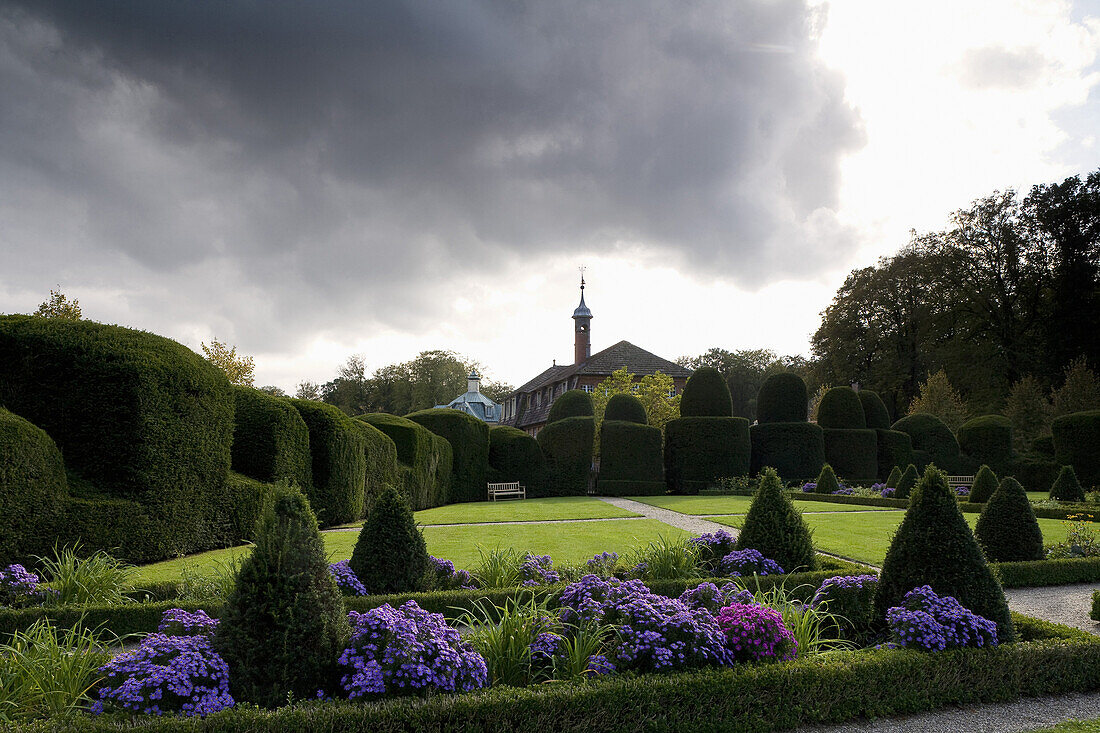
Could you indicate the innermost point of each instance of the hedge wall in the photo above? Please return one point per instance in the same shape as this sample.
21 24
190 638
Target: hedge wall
853 454
515 456
567 446
841 409
270 439
382 468
424 459
339 463
895 448
933 442
1035 471
33 490
1036 573
706 394
782 399
988 439
874 410
138 416
244 502
1076 437
469 439
701 450
796 450
631 462
625 407
574 403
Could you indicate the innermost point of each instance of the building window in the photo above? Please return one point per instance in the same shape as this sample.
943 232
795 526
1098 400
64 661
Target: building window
587 388
672 392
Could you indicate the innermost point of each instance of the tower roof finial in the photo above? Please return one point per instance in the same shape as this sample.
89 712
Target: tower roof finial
582 309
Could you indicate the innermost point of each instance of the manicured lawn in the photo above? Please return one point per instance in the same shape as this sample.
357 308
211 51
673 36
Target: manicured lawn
1072 726
527 510
711 505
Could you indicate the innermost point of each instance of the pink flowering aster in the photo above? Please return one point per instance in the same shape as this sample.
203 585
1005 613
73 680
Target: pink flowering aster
756 633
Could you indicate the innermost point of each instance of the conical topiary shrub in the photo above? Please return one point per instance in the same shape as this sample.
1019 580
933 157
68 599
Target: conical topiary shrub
775 528
390 555
934 546
284 625
894 478
985 483
826 480
1007 529
907 482
1066 487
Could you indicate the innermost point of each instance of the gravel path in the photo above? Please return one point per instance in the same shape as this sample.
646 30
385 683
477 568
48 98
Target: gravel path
1062 604
696 525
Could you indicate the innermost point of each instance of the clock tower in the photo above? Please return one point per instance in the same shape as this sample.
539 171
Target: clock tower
582 330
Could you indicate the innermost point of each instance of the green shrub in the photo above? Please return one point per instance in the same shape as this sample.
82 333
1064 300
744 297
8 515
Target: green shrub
934 546
988 439
775 528
841 409
853 453
1044 445
1094 614
630 456
1007 530
1047 572
469 439
895 449
930 435
796 450
985 483
874 410
706 394
243 505
782 399
33 490
1066 487
826 480
284 624
1076 437
380 459
515 456
1035 471
701 450
567 447
908 481
339 463
390 555
626 408
270 439
424 459
894 477
573 403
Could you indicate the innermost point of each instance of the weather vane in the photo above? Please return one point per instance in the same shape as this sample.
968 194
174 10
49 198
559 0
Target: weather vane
582 268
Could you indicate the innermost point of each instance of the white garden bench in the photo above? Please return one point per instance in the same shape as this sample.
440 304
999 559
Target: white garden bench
967 481
507 491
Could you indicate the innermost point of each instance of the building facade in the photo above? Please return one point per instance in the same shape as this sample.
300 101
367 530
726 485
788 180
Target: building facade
474 403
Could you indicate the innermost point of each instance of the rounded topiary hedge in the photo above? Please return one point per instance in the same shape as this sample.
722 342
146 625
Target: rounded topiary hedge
469 439
339 463
567 446
853 454
988 439
782 399
840 409
874 410
706 394
626 408
701 450
33 490
1036 472
631 461
796 450
382 468
573 403
270 439
1076 437
516 456
895 449
933 442
390 555
1007 529
424 459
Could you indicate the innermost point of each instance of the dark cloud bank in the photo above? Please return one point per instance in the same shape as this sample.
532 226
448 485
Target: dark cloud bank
286 164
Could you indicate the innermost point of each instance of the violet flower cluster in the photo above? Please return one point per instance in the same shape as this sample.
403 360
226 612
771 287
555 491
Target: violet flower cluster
709 597
843 491
19 587
962 491
445 577
408 650
712 547
177 622
935 623
878 487
538 570
346 579
850 598
889 492
603 564
809 487
756 633
749 562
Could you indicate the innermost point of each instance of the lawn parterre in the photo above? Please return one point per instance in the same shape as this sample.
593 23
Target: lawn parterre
529 510
704 505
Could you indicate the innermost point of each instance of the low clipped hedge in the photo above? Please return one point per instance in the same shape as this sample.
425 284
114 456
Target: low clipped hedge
469 439
858 500
338 463
1036 573
516 456
424 459
782 399
33 490
895 448
1076 437
853 454
796 450
988 440
701 450
840 409
270 439
631 460
567 446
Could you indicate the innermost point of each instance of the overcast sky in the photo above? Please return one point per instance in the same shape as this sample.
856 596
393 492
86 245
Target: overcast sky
312 180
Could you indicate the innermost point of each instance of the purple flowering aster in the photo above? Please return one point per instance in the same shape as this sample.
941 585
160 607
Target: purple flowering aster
712 547
603 563
19 586
756 633
962 491
809 487
345 578
889 492
934 623
177 622
843 491
544 647
710 597
447 578
599 664
538 570
748 562
878 487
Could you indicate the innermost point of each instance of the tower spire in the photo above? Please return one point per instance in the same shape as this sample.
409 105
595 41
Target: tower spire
582 329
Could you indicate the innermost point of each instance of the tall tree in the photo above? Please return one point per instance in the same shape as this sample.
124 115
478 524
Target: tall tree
59 306
240 369
937 397
1079 392
744 371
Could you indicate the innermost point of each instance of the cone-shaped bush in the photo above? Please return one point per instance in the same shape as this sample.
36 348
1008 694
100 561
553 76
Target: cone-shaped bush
775 528
985 483
934 546
284 625
826 480
906 483
1066 487
1007 530
894 478
390 555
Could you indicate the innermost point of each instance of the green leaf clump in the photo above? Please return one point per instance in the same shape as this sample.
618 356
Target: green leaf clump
390 555
906 483
776 529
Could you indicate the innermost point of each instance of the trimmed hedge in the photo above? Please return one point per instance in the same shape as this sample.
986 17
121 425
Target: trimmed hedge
1066 487
1047 572
339 463
469 439
984 486
701 450
933 442
1044 445
627 408
1034 471
874 410
782 399
841 409
270 439
706 394
895 450
573 403
380 460
988 439
424 459
853 454
796 450
244 504
859 500
515 456
631 461
1007 530
1076 437
390 555
34 492
776 529
567 446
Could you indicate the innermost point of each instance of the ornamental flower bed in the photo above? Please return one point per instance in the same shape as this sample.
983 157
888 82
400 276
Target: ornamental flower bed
756 633
346 579
850 599
445 577
20 587
748 562
934 623
538 570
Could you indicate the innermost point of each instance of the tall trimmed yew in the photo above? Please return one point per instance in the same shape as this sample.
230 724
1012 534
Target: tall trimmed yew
775 528
894 477
907 482
284 625
826 480
985 483
390 555
934 546
1066 487
1007 529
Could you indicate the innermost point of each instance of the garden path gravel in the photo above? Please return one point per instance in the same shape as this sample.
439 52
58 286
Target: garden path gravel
696 525
1062 604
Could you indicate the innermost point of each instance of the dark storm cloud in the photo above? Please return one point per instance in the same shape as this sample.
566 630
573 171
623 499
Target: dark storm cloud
354 153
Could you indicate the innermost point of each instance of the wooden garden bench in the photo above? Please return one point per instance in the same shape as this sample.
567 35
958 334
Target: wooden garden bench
967 481
507 491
